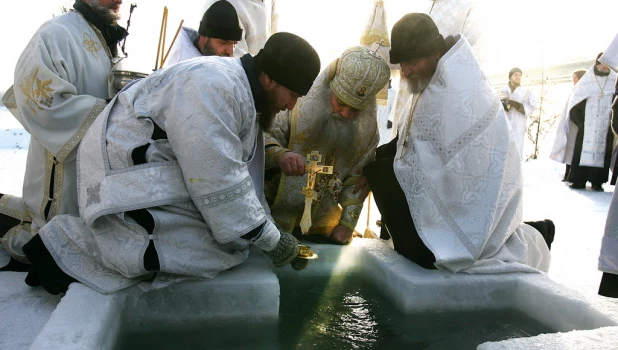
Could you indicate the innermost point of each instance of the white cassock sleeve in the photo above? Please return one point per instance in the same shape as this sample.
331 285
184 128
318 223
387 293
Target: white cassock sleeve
212 134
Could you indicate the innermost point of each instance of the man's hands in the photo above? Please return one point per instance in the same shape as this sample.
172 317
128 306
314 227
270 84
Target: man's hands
518 106
285 251
341 235
292 164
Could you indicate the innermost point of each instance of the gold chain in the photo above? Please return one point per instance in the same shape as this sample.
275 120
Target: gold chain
602 88
409 121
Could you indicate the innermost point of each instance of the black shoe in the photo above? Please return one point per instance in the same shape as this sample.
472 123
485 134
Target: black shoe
598 187
578 186
551 232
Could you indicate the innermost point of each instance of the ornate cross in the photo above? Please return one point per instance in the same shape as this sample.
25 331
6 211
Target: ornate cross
312 170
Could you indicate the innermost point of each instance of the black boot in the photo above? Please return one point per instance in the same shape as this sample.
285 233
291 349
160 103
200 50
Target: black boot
546 228
44 270
578 185
609 285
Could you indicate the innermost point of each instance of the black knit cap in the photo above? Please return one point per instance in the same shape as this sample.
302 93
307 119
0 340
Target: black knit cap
290 61
414 36
220 21
513 71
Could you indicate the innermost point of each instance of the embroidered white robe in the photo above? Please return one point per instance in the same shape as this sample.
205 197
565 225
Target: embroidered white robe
518 120
290 132
60 87
195 184
451 17
460 169
183 48
598 109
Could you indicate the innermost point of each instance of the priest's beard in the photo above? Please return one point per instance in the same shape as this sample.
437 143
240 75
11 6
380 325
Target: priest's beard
333 133
417 84
208 50
109 15
600 73
265 120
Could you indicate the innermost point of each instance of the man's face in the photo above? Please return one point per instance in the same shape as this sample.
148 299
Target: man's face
516 78
603 68
217 47
575 78
418 72
342 109
109 10
279 99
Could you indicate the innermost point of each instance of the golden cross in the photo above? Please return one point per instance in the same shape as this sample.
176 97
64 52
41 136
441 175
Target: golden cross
312 170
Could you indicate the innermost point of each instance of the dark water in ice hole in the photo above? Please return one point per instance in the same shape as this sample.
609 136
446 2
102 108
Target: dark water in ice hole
341 313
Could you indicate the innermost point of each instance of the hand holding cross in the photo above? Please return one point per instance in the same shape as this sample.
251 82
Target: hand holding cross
312 170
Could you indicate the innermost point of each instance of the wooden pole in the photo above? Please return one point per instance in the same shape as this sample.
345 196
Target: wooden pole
172 44
163 20
164 35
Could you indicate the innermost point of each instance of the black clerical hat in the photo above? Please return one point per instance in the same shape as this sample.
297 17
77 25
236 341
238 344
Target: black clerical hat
414 36
290 61
221 21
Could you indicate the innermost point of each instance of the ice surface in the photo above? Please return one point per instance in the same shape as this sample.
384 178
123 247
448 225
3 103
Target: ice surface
23 311
598 339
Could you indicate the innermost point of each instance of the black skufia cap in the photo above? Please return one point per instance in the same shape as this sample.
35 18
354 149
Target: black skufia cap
290 61
414 36
220 21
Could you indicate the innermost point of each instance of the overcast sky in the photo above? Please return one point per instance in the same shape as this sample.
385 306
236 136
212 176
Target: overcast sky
525 33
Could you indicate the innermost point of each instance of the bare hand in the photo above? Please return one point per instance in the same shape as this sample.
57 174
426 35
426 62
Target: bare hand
341 235
362 186
292 164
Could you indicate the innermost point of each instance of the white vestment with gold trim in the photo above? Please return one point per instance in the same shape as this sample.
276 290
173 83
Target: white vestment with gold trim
60 87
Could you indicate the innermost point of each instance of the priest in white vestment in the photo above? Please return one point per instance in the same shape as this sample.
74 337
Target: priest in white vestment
337 118
258 20
449 187
451 17
60 87
218 35
165 191
587 140
519 103
608 258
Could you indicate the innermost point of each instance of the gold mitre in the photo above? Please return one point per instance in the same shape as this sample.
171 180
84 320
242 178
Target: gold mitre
360 75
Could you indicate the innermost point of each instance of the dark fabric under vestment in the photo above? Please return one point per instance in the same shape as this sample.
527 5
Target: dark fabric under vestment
396 217
609 285
579 175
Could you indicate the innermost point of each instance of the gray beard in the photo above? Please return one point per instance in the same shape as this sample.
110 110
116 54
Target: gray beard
109 16
333 133
417 85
